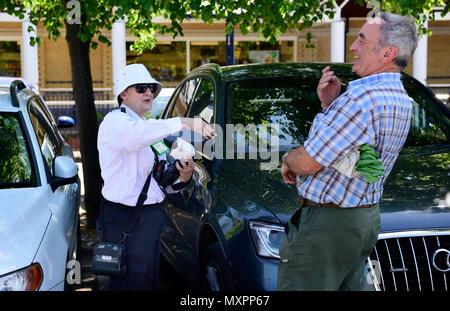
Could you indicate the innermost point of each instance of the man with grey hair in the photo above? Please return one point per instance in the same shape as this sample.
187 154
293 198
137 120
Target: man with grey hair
398 31
336 227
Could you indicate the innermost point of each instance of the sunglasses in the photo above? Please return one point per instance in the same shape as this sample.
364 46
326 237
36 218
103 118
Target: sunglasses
142 87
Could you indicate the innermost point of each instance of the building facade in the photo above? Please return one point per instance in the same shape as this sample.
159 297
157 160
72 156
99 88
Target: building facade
48 64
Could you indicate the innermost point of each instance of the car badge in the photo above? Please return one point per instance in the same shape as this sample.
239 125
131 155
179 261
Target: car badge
441 260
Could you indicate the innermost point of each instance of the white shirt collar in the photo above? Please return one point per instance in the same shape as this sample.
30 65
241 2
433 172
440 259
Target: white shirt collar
131 113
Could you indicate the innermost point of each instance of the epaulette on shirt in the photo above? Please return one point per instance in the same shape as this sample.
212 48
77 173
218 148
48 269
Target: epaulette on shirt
122 109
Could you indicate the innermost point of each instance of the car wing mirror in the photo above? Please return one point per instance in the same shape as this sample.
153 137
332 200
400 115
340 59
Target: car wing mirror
65 122
65 171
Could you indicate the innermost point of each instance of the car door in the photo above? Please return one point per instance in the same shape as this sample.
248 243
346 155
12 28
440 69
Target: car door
196 197
188 205
63 201
171 234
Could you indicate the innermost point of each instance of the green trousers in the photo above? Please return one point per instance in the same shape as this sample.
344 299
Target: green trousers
325 248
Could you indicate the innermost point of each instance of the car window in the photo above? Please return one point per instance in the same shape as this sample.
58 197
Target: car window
16 166
158 106
269 105
203 102
183 99
428 124
46 137
49 118
293 103
424 130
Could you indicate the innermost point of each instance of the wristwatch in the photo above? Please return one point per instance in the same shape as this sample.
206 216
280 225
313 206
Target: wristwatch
283 158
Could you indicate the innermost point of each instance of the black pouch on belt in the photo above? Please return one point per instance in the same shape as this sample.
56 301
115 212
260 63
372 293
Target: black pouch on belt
109 258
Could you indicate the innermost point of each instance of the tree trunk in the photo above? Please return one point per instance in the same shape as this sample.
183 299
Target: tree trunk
87 121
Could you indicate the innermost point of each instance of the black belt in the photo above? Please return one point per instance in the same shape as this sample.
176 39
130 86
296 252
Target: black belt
120 205
307 202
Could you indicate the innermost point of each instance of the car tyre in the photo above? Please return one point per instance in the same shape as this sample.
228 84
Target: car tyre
217 274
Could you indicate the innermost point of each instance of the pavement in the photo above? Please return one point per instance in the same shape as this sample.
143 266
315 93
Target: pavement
169 280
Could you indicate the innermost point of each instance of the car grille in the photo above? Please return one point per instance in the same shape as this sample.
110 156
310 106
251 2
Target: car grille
412 261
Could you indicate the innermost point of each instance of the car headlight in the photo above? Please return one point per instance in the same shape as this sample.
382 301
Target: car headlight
266 238
27 279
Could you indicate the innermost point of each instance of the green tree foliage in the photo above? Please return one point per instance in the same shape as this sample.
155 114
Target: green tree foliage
421 10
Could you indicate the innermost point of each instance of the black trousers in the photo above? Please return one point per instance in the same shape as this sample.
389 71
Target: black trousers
142 245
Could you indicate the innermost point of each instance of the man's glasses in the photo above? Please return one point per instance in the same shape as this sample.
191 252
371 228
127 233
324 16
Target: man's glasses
142 87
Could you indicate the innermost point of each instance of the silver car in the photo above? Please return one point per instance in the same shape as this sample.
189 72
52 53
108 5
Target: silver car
39 193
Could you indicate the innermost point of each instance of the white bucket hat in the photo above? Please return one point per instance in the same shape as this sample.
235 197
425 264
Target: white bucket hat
133 74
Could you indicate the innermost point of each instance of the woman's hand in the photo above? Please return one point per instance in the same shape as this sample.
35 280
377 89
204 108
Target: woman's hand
199 126
186 169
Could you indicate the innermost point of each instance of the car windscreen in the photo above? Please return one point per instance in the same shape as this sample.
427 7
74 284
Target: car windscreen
16 168
285 106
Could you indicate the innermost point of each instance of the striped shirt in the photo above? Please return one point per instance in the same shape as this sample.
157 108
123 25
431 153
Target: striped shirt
376 110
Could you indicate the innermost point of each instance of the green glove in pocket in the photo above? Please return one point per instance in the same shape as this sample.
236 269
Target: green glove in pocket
369 164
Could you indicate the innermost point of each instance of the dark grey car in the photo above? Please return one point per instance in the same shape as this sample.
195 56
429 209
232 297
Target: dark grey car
223 230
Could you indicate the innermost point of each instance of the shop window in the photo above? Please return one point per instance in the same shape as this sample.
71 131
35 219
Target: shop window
10 59
207 52
166 61
244 52
263 52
